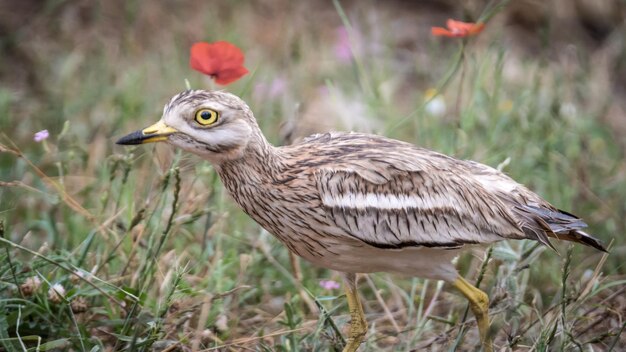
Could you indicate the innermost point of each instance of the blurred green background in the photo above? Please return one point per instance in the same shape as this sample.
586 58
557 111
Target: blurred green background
159 257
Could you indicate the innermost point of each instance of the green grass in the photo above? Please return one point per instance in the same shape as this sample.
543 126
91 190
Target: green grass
147 243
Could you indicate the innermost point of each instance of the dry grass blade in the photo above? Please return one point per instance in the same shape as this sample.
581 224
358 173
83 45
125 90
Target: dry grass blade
67 199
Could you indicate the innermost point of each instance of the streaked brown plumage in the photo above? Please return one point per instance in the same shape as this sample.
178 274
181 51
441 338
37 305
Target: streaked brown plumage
359 203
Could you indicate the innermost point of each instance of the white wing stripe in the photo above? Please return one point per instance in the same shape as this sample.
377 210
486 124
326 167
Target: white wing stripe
387 201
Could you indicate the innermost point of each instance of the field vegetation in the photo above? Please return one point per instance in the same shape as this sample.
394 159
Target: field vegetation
109 248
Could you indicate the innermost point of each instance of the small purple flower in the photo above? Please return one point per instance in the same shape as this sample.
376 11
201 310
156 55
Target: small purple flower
329 284
278 87
343 47
41 136
259 90
273 90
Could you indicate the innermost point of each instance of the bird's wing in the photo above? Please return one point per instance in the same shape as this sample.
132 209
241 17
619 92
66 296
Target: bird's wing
536 217
406 196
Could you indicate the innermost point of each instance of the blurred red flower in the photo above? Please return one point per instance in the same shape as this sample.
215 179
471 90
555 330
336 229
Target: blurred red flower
458 29
222 61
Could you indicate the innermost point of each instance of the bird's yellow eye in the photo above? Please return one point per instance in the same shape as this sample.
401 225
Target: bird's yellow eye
206 117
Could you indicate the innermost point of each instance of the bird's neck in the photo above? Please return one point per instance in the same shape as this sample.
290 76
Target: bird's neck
260 162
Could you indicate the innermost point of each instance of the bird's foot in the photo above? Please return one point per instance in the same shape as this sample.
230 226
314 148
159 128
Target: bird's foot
358 324
479 303
358 329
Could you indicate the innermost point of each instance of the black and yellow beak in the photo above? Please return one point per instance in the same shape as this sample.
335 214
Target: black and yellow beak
155 133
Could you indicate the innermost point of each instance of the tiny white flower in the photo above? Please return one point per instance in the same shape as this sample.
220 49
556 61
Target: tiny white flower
56 293
568 109
587 275
221 324
78 276
34 280
436 105
30 285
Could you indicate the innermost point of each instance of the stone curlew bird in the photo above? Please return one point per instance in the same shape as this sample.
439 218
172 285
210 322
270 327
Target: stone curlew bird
360 203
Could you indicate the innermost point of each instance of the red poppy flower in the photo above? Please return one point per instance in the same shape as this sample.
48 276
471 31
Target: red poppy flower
221 60
458 29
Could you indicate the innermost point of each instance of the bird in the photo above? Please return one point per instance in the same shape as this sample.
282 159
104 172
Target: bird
361 203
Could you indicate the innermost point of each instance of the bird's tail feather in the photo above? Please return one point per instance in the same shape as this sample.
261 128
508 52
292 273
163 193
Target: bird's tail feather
580 236
541 223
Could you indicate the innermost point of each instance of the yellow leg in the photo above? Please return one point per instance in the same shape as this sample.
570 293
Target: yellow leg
358 324
479 303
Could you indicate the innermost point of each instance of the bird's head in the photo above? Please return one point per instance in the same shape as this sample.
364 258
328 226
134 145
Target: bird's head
216 125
